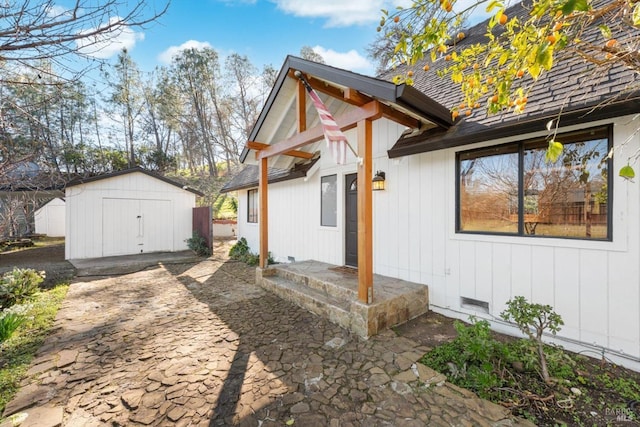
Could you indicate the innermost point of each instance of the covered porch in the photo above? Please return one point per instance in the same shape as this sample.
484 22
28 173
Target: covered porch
332 292
290 134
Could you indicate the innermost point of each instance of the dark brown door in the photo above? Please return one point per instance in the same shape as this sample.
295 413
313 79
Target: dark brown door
351 223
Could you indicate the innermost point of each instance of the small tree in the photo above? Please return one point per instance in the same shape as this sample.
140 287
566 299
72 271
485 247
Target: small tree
533 320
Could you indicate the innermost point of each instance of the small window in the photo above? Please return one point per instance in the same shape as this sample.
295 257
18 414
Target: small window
329 201
252 206
512 189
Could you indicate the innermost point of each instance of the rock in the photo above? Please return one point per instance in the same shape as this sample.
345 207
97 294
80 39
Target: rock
66 358
576 391
335 343
145 416
405 377
131 398
44 417
176 413
27 396
299 408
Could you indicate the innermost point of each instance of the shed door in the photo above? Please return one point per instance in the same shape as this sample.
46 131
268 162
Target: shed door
132 226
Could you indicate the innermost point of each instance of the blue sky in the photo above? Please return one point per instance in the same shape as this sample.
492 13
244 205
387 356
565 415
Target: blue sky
264 30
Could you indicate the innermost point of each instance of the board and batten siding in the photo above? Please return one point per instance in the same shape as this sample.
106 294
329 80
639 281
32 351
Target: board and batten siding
49 219
87 204
593 285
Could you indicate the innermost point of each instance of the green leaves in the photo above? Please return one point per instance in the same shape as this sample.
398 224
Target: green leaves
553 151
636 15
575 5
627 172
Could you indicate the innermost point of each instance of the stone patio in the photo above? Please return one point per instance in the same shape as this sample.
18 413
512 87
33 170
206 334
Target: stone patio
332 292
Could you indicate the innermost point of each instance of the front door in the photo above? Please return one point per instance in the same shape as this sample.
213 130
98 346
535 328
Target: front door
351 220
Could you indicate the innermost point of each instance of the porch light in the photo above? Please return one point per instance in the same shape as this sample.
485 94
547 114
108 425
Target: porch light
377 183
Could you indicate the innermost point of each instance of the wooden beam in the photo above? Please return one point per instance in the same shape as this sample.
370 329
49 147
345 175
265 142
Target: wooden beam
348 95
263 214
253 145
365 212
400 117
353 97
349 120
301 107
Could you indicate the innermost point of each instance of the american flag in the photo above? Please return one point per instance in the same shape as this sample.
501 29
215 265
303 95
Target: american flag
336 140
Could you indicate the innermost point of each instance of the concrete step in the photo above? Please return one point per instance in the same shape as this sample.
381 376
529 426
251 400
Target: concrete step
330 288
317 301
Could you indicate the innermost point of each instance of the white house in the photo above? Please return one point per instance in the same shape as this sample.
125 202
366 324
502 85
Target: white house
470 208
127 212
50 218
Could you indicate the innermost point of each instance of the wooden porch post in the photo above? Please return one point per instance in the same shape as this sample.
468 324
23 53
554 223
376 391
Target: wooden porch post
264 211
365 213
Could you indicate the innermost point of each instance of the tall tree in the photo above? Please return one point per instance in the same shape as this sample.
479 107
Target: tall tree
126 98
34 30
197 74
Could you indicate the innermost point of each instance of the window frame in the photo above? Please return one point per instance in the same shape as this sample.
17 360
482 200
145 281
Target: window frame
252 211
599 132
335 219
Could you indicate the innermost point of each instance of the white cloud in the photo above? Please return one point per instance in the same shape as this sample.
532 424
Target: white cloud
338 13
55 11
350 60
109 43
166 56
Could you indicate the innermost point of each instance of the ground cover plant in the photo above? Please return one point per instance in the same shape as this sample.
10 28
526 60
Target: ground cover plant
241 252
38 313
579 390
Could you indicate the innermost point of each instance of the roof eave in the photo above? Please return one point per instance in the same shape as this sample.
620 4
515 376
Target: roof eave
405 96
80 181
448 139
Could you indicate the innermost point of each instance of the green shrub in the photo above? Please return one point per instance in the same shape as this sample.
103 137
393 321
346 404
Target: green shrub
471 359
533 320
18 284
198 244
241 252
9 322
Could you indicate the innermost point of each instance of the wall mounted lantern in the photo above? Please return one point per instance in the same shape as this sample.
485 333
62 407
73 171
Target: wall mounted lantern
378 181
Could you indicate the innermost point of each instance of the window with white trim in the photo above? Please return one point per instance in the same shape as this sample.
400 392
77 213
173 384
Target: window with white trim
329 201
252 206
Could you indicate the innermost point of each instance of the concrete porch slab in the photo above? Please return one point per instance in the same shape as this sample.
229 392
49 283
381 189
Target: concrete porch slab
332 292
126 264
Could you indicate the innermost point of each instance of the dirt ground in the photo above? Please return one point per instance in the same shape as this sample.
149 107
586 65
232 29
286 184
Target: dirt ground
47 256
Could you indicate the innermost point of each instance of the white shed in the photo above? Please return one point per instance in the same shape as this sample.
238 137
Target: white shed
49 219
127 212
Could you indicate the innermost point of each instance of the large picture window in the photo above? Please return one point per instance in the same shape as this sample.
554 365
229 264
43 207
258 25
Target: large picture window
252 206
512 189
329 201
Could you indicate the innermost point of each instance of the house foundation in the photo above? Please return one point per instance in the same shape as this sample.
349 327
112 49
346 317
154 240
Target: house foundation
332 292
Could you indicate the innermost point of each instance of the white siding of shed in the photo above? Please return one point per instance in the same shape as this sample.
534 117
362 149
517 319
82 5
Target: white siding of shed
49 219
162 203
594 285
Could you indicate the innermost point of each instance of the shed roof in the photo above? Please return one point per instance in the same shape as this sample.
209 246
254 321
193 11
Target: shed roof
80 181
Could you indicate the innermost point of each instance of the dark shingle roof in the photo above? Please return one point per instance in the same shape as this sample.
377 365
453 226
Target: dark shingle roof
580 90
249 175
